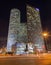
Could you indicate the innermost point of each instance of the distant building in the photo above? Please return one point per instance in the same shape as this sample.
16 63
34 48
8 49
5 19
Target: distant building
3 42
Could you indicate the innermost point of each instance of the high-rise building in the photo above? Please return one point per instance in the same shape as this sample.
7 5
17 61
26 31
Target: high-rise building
17 31
34 28
27 32
13 28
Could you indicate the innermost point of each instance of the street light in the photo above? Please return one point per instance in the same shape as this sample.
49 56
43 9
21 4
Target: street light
45 35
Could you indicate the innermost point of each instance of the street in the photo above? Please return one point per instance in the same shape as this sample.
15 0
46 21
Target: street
41 59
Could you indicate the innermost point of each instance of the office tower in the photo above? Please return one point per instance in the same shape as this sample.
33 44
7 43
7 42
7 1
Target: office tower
28 32
17 31
13 28
34 28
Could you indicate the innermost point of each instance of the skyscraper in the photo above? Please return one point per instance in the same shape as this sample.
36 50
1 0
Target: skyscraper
13 28
17 31
34 28
30 31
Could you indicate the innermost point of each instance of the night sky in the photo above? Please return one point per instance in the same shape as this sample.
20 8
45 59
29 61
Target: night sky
6 6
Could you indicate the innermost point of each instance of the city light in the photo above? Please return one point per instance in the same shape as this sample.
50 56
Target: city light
45 34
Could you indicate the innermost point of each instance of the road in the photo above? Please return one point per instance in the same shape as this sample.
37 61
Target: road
41 59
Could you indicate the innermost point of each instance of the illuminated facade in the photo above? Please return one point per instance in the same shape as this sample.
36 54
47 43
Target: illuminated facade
13 28
34 27
17 31
28 32
22 34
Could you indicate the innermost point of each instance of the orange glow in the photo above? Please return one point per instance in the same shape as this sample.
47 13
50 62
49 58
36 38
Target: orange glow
45 34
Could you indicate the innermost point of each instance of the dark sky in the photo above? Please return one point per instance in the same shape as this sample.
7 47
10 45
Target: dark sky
6 6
